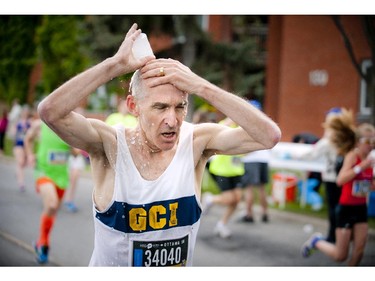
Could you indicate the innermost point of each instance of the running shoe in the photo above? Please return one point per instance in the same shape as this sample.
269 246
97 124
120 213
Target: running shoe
71 207
265 218
309 246
41 253
222 230
247 219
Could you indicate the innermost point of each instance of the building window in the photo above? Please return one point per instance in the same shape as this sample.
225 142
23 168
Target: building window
365 107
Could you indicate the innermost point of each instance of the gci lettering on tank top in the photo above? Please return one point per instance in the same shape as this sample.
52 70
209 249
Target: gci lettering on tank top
160 215
156 217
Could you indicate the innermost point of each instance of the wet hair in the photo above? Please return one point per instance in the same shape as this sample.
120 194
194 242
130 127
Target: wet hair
343 131
136 88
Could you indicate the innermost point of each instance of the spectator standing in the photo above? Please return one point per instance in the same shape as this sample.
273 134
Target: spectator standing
308 138
255 179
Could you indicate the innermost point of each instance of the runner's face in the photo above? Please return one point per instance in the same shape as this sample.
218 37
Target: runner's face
161 113
367 143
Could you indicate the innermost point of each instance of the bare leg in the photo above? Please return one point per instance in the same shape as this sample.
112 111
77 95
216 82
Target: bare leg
51 202
339 251
249 199
359 242
232 200
263 201
20 156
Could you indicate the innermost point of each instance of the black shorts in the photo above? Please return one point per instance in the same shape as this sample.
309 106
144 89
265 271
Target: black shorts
348 215
255 174
228 183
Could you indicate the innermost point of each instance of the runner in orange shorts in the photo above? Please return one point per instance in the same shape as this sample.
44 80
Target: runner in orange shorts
52 178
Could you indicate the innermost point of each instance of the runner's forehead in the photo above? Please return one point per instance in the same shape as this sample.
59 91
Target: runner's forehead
166 93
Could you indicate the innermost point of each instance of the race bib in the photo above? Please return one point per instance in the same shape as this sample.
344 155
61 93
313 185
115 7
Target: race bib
361 188
160 253
58 157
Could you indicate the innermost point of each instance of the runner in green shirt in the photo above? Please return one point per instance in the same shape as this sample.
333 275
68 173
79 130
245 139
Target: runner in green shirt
52 178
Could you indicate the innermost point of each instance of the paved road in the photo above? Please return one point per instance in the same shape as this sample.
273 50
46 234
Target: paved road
276 243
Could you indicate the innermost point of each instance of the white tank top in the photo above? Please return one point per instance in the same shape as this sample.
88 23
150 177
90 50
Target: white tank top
149 223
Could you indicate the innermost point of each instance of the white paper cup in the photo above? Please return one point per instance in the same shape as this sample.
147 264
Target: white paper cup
141 47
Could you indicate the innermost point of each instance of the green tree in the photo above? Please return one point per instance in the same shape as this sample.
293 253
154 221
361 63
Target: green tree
17 56
68 44
235 64
106 32
61 50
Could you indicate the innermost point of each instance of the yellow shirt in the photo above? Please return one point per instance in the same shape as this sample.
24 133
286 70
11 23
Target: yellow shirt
227 165
127 120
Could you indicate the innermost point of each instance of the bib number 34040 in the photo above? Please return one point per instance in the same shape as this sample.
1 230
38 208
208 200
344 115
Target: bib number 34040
160 253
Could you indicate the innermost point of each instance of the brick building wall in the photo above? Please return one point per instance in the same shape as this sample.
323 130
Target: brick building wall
300 47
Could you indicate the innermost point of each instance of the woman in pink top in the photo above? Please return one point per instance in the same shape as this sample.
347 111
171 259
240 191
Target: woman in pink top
356 180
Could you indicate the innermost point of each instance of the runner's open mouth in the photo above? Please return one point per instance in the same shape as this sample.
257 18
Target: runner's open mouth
169 134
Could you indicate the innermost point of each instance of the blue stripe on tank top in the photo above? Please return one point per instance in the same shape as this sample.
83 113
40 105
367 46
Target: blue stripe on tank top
159 215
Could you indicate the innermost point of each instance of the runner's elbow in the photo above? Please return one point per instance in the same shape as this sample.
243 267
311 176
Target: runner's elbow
274 137
46 111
